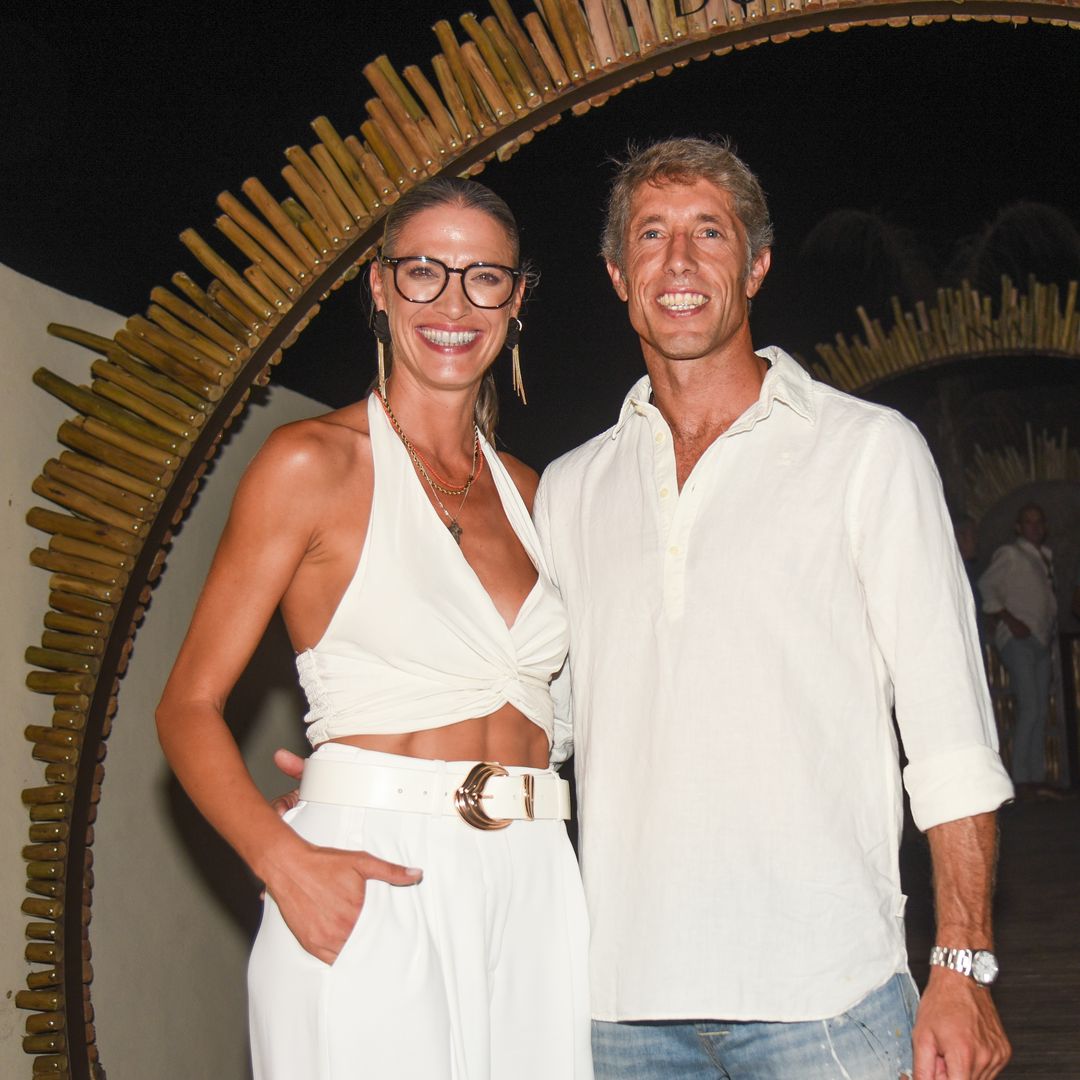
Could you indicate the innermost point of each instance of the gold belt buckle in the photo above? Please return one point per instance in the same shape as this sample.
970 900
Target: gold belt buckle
467 797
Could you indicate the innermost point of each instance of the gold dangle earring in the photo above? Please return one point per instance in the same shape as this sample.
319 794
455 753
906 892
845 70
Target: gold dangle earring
380 327
513 339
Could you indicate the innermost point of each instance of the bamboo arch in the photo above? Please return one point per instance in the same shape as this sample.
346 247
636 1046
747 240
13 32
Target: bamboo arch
166 387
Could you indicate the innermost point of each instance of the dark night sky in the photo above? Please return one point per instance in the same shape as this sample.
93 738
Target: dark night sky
117 135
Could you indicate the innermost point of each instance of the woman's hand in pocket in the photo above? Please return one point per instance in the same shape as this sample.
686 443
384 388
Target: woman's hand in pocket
320 892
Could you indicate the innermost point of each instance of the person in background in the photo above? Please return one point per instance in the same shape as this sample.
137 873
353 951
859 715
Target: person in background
1018 596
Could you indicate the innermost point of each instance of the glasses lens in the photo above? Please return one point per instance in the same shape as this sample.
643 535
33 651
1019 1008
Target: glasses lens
488 286
419 280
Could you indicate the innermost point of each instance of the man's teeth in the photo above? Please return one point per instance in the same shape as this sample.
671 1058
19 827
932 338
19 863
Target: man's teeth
449 337
681 301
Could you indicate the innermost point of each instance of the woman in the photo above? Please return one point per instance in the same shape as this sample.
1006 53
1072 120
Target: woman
417 922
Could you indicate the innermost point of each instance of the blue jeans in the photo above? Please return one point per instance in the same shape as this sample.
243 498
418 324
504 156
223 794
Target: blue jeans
871 1041
1028 663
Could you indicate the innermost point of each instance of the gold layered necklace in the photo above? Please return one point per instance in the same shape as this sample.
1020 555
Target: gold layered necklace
435 482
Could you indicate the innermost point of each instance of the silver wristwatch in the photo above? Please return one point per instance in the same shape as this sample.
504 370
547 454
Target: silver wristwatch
979 964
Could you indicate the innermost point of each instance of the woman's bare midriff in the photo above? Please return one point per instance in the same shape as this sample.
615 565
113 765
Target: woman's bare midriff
505 736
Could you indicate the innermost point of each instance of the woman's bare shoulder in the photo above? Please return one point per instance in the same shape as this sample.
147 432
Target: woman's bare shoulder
334 439
525 479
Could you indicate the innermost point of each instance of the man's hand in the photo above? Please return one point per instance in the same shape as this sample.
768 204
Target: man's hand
958 1033
292 765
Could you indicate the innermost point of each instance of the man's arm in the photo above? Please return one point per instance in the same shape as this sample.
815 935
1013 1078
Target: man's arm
958 1032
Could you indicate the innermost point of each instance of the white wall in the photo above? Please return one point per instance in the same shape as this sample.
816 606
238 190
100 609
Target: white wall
172 908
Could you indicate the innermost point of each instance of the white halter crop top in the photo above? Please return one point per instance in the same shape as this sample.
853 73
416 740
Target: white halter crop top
416 641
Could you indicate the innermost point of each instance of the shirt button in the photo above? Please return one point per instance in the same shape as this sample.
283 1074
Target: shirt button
659 438
674 550
664 493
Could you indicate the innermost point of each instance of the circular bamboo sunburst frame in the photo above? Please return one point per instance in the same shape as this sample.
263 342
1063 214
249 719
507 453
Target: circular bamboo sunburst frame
166 387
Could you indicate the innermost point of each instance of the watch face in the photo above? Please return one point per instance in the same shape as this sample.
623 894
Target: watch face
984 967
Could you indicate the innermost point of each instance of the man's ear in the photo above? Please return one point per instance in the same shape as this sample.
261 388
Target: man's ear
758 269
617 282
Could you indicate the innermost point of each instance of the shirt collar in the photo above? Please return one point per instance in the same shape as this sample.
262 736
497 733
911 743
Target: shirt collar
785 381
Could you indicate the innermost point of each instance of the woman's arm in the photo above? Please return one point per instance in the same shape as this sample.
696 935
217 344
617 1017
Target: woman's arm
272 529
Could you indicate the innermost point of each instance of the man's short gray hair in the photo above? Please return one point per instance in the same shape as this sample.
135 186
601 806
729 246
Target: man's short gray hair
683 161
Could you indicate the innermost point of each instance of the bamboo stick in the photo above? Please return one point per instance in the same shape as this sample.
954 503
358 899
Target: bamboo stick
222 296
202 322
91 405
493 63
199 343
260 243
347 164
547 51
553 16
372 169
404 112
41 1000
75 500
38 733
337 215
40 980
44 1021
49 521
267 289
390 144
105 433
260 258
162 402
40 833
486 83
204 378
663 20
430 130
645 30
515 32
217 266
580 34
166 383
622 33
274 213
451 53
138 406
60 765
65 545
440 115
343 188
69 721
56 682
72 564
140 332
85 607
67 583
91 646
515 65
94 342
310 229
43 1044
48 812
606 52
455 102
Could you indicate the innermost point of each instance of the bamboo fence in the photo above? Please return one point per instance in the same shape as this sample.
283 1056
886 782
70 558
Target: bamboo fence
165 387
963 323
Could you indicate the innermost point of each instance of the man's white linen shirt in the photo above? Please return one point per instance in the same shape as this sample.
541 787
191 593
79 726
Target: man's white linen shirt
736 649
1018 581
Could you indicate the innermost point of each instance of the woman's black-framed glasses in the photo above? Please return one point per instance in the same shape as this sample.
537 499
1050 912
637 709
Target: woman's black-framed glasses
420 279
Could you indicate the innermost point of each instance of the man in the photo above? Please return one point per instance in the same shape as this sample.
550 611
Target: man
757 568
1018 595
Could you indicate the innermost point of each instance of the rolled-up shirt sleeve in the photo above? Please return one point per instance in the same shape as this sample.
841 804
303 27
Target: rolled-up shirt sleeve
562 740
923 620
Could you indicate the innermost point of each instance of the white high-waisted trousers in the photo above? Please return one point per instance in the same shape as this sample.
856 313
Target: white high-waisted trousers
477 973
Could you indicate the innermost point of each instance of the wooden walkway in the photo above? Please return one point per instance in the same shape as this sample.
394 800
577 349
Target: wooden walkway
1037 926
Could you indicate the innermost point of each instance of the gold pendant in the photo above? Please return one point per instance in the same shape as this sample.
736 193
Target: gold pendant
455 532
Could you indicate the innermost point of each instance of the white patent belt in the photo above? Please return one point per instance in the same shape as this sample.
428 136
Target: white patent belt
486 796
